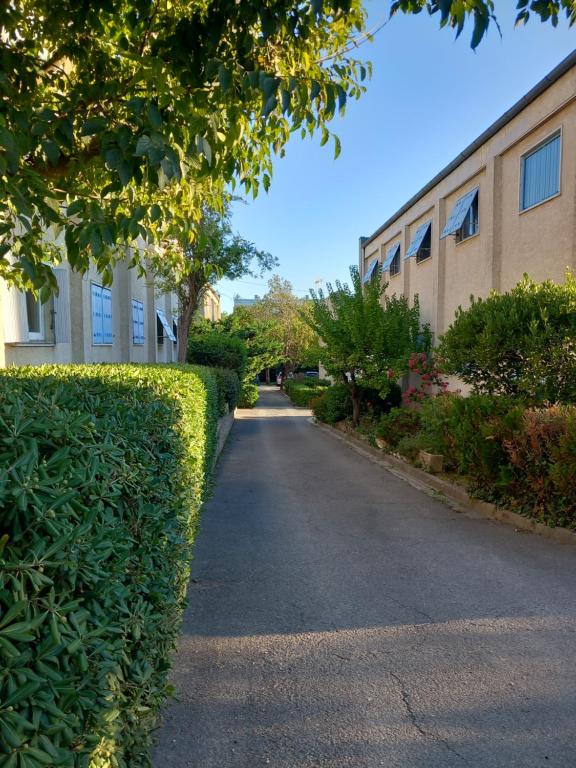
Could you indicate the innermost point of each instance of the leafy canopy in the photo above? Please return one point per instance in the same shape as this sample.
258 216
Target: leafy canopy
366 335
119 118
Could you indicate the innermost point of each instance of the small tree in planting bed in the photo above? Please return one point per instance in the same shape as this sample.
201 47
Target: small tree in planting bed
367 336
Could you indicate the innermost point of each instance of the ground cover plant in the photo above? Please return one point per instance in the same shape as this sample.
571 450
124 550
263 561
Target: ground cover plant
104 469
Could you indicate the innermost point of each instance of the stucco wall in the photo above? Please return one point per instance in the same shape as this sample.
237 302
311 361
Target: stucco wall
540 241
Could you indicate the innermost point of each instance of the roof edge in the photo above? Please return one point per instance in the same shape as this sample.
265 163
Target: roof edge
561 69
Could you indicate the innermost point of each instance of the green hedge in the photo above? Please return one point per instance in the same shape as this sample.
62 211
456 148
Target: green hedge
333 405
102 473
228 389
302 392
249 395
218 350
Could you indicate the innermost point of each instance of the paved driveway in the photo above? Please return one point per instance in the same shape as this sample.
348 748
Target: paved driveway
341 617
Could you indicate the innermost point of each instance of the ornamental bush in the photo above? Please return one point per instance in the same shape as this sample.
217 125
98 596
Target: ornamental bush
228 389
218 350
102 473
302 392
249 395
519 343
333 405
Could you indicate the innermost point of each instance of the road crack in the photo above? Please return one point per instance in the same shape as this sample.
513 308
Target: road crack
414 719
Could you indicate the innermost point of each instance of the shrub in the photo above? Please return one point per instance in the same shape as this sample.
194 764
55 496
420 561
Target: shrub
302 392
228 389
218 350
333 405
248 395
397 424
495 344
103 473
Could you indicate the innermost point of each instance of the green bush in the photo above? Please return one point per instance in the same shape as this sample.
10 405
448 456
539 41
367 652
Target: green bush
228 389
333 405
397 424
248 395
519 343
103 470
218 350
302 392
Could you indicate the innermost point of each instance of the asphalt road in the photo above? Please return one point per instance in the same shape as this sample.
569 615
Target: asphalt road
341 617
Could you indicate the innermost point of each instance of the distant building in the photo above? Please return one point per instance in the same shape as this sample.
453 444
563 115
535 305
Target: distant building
240 302
504 206
210 304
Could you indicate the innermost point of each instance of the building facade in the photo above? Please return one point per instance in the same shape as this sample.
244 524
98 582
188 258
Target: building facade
89 322
210 307
504 207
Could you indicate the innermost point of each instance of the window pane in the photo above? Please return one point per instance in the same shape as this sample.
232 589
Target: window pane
33 308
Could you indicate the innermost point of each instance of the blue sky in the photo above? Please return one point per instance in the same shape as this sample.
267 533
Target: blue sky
428 98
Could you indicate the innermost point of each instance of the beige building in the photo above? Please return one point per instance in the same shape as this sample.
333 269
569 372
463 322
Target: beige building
89 322
505 206
210 304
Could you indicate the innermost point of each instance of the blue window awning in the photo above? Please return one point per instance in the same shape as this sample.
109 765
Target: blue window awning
417 240
370 271
165 324
459 212
390 256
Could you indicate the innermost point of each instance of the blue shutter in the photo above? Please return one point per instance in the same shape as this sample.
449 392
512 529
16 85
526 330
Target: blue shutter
541 173
135 323
107 316
417 240
141 321
459 213
97 315
390 256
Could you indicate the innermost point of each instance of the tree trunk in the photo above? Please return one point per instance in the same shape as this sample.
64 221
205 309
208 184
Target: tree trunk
356 401
188 306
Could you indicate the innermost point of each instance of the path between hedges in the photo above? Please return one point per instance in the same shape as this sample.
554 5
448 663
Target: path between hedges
340 617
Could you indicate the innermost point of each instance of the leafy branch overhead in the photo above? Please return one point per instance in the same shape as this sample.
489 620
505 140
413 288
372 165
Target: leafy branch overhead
119 118
454 13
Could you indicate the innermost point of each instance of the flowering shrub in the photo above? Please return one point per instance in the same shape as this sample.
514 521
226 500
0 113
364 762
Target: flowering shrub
431 379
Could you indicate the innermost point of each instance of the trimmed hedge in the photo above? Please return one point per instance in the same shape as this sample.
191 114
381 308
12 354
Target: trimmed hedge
228 389
302 392
333 405
249 395
103 471
218 350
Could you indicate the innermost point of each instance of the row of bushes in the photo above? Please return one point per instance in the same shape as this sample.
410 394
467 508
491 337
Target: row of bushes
302 391
103 471
518 456
225 352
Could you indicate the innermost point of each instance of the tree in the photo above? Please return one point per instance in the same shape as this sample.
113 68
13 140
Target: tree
286 313
260 337
120 119
367 336
216 252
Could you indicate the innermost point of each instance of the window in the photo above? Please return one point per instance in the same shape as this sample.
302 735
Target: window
163 327
175 327
34 316
540 173
421 245
370 271
101 315
392 260
137 322
463 221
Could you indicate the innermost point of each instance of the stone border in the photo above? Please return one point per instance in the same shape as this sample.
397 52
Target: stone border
453 494
225 424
